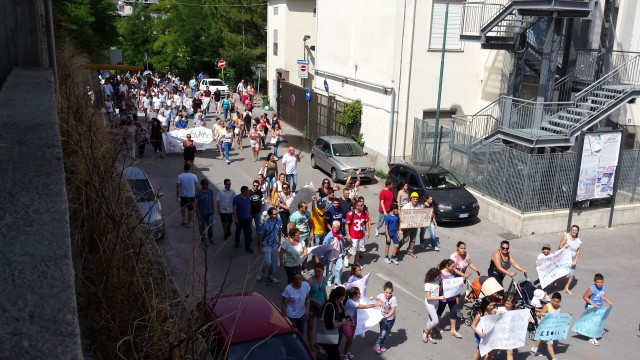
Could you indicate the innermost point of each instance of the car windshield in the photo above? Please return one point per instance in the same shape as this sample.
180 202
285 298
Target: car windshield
216 83
443 180
142 190
347 149
282 347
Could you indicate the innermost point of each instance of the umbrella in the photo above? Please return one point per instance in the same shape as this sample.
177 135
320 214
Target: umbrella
147 73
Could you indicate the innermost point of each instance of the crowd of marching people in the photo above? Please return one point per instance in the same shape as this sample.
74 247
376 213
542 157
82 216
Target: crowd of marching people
319 298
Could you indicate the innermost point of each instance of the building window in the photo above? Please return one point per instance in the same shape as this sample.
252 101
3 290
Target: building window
275 42
454 25
275 10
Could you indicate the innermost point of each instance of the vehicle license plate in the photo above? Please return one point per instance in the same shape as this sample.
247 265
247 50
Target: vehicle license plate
465 215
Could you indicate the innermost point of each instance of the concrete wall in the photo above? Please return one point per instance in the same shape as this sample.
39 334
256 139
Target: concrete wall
38 302
21 35
552 222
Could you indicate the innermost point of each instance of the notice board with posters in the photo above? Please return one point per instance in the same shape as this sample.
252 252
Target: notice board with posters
599 161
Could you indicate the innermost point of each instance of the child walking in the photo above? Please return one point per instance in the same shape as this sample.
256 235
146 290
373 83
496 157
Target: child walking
550 308
594 296
391 222
388 310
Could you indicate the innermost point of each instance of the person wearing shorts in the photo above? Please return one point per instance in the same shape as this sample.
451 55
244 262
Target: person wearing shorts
356 225
225 207
186 194
391 224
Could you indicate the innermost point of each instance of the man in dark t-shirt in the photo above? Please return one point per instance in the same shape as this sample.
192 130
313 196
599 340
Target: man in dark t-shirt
242 218
196 103
255 197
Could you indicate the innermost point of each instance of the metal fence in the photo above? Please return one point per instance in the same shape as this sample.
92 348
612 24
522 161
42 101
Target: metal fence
525 182
324 112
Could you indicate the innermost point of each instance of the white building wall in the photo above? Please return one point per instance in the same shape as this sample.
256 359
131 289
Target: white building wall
295 19
371 47
628 39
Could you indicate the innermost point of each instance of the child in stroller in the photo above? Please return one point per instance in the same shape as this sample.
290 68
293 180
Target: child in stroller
527 296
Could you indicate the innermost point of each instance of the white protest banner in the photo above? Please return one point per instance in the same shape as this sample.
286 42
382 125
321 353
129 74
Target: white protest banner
591 322
553 326
305 194
415 218
452 287
319 251
202 136
507 331
366 318
360 284
553 267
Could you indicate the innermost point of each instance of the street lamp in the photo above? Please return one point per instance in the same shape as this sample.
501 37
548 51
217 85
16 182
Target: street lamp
434 158
304 52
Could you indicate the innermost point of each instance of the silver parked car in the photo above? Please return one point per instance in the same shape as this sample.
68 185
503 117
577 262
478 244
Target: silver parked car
148 201
338 155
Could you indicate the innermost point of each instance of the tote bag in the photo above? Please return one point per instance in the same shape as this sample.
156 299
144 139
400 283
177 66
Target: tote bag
324 335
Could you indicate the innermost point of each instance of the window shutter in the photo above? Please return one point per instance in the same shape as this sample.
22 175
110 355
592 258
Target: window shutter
454 24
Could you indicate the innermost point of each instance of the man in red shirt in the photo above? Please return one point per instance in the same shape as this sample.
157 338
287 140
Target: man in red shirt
357 223
384 204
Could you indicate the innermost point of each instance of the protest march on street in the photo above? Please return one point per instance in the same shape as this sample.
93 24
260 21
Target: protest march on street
300 227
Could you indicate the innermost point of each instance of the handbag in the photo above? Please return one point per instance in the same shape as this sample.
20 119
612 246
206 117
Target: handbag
324 335
274 140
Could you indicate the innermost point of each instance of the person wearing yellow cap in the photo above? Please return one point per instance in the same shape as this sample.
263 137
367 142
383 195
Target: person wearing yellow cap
409 235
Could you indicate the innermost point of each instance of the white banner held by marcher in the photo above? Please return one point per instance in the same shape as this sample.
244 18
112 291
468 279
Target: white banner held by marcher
507 331
202 136
415 218
366 318
553 267
452 287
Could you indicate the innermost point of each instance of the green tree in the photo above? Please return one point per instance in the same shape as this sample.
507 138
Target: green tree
189 37
137 35
89 24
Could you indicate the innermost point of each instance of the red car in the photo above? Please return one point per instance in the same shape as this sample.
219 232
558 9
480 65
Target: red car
249 326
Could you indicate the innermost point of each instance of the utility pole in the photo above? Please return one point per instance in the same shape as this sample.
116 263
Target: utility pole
434 159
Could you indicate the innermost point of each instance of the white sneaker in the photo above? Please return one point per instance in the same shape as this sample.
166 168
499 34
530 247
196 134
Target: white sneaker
328 284
377 233
259 276
387 260
394 260
436 248
273 280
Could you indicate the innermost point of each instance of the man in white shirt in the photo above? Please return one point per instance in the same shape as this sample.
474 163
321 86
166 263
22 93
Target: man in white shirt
409 235
108 90
225 207
290 167
157 103
186 193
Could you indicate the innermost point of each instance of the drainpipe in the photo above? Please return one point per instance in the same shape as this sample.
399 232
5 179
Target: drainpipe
406 115
393 110
394 139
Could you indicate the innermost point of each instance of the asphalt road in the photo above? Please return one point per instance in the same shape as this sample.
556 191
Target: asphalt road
613 252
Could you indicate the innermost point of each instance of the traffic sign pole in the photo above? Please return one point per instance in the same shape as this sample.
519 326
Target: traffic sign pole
308 96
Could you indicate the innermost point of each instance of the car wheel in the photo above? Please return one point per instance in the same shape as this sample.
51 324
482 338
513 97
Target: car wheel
334 175
313 162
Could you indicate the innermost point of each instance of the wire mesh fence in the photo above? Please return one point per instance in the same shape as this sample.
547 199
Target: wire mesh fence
525 182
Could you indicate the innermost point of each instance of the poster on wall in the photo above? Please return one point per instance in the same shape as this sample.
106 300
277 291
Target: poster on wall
598 167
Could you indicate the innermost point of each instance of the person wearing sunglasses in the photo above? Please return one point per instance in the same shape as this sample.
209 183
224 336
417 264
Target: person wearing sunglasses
502 261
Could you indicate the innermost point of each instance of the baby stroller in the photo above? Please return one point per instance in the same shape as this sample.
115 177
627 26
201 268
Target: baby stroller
481 287
528 297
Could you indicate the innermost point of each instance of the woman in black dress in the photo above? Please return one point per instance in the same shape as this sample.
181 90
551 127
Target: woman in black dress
189 153
155 136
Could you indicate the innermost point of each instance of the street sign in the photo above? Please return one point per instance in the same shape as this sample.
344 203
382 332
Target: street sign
259 72
222 63
303 69
307 94
326 85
